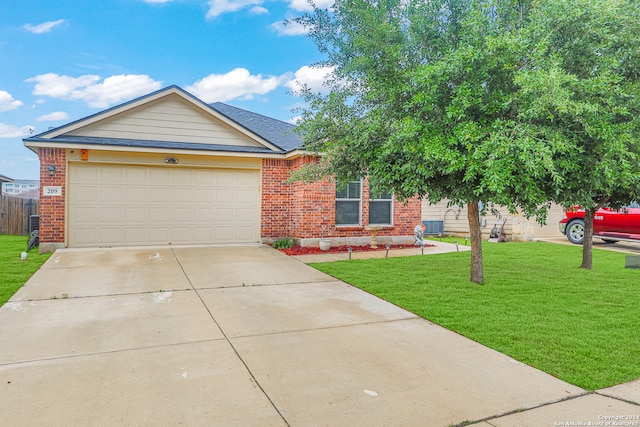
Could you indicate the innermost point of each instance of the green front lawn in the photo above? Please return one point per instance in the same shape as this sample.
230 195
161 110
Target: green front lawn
536 306
14 272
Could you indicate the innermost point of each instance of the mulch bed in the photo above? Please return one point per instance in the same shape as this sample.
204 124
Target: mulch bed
313 250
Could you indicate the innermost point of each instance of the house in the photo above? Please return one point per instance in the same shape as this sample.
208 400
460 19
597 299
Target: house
453 220
17 187
4 179
169 169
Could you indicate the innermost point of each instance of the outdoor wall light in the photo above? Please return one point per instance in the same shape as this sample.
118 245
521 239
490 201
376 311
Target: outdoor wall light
51 170
171 160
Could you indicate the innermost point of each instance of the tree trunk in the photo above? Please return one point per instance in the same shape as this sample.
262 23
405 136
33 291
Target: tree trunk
475 233
587 243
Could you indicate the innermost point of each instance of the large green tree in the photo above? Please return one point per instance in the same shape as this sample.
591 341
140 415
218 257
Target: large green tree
583 90
423 101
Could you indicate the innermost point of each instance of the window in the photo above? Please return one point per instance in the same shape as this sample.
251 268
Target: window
381 208
348 203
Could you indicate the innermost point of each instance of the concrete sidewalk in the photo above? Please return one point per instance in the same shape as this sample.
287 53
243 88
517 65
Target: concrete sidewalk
246 336
434 247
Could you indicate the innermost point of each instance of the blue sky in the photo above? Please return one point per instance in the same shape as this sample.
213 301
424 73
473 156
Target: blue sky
64 60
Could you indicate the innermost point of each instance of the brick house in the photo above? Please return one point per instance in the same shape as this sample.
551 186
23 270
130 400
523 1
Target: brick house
169 169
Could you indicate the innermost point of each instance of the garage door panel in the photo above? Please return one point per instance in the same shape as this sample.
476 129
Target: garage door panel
159 176
245 215
246 196
86 215
119 205
135 236
110 194
203 215
181 215
156 215
244 233
132 175
158 195
114 175
134 214
224 215
135 194
203 195
84 193
108 236
84 236
182 194
225 234
110 214
224 195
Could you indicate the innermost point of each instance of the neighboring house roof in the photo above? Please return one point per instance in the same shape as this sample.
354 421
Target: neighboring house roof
268 135
5 179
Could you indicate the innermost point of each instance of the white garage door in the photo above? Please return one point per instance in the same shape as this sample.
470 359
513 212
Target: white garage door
122 205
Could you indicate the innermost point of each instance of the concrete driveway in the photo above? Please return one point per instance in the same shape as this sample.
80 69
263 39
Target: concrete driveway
246 336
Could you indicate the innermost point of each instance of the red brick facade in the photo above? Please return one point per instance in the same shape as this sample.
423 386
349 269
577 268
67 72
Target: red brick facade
52 207
310 212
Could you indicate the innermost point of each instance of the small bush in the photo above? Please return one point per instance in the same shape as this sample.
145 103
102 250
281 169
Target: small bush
284 243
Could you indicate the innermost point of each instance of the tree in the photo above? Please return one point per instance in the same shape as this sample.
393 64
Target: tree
423 102
582 89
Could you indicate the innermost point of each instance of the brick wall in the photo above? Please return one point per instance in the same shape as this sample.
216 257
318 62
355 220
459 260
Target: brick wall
307 210
52 207
276 199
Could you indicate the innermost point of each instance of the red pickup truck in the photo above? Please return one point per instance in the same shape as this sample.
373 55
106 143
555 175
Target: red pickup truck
610 225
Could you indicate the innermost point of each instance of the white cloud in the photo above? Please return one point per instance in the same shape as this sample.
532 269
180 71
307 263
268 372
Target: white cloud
218 7
117 89
9 131
45 27
7 103
157 1
87 88
304 6
312 77
259 10
289 28
55 116
236 84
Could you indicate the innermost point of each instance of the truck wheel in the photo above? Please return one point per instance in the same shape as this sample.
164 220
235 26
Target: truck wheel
575 231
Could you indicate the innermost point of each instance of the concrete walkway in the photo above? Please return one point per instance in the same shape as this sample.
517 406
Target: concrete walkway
246 336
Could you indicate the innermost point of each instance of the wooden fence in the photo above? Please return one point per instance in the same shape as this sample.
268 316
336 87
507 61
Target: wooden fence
15 213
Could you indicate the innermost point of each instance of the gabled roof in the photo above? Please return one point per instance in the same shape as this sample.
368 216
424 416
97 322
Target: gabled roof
275 131
267 135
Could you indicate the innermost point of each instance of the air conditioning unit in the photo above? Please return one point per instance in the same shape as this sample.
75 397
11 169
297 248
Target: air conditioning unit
34 223
433 226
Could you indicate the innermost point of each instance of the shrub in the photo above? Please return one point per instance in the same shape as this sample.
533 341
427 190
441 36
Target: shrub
284 243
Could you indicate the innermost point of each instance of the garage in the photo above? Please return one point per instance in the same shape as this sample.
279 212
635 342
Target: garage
136 205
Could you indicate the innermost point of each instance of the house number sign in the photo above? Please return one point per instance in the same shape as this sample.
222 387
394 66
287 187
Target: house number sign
52 191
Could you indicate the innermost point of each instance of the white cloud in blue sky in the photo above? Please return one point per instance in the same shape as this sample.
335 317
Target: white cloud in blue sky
310 77
289 27
53 117
45 27
7 103
218 7
236 84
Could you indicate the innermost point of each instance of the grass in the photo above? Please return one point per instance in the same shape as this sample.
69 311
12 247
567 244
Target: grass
536 305
14 272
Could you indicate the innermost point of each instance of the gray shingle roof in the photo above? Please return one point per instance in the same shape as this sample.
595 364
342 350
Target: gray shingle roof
275 131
